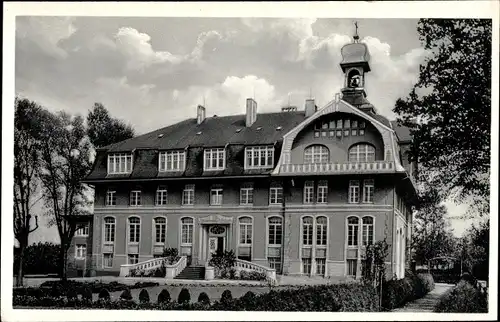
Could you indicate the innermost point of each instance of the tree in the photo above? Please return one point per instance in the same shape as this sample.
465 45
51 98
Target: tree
474 250
452 103
26 170
104 130
65 161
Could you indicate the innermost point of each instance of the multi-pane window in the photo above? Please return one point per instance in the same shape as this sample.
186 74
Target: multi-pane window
161 196
351 267
246 195
172 161
307 231
135 198
309 192
259 157
107 260
245 230
368 190
367 230
160 230
352 231
134 226
306 265
80 251
316 154
215 159
275 230
109 230
275 263
82 230
338 128
119 163
321 231
188 195
322 196
320 266
275 195
133 258
353 191
362 153
110 198
187 226
216 196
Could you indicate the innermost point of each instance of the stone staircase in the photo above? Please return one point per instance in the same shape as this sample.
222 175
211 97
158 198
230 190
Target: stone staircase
192 273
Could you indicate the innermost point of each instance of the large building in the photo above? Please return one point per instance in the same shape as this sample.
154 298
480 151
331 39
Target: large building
301 191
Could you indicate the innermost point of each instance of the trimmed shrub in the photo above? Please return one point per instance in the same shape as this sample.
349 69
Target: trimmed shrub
72 294
144 296
126 295
184 296
463 298
164 297
226 296
104 295
396 293
203 298
86 294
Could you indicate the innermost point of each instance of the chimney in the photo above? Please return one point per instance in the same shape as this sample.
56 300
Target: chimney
310 107
200 114
251 116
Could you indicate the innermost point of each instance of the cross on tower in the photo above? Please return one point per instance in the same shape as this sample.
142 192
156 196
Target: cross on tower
356 37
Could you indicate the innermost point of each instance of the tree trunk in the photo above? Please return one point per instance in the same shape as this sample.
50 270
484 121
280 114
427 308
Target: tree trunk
63 261
19 278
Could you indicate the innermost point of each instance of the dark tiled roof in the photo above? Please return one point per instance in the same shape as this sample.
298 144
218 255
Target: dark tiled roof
402 132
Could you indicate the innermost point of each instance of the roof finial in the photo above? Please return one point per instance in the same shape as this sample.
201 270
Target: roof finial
356 36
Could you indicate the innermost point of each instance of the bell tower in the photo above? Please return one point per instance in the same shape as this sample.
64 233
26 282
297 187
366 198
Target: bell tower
354 64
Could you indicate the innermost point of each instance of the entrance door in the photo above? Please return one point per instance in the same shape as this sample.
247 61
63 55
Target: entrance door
220 244
212 245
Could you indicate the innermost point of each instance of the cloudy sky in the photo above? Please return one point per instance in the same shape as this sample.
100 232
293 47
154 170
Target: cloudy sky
152 72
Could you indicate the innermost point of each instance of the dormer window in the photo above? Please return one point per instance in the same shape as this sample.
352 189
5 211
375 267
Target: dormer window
119 163
172 161
215 159
258 157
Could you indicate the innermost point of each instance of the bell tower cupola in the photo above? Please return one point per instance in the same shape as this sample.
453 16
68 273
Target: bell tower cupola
354 64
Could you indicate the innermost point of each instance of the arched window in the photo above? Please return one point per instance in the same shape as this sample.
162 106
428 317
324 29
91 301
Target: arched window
160 230
307 231
187 230
321 231
245 231
134 224
109 230
316 154
275 233
367 234
352 231
362 153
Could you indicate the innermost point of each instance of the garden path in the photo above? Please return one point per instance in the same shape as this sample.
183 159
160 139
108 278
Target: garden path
428 302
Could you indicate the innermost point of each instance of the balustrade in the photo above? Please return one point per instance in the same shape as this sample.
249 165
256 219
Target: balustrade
349 167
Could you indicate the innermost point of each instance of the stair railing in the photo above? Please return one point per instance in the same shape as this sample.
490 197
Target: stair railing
242 265
175 269
142 266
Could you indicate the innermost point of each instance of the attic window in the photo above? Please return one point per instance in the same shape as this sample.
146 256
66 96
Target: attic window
279 128
198 133
160 135
238 130
259 128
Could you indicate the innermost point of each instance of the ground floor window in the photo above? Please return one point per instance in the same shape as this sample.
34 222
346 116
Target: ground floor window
320 266
80 251
275 263
306 265
107 260
133 258
351 267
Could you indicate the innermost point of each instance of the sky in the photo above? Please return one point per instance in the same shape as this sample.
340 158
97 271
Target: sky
153 72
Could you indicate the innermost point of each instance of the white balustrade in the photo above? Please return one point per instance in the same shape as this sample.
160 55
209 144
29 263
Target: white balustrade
142 266
242 265
349 167
175 269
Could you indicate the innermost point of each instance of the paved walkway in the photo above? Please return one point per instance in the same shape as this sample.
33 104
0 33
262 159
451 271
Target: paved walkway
428 302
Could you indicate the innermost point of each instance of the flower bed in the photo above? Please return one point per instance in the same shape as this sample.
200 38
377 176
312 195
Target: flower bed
463 298
396 293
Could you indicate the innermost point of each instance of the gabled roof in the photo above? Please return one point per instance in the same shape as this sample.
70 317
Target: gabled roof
402 132
215 132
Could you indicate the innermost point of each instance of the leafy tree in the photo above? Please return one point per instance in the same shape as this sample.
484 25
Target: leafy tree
104 130
474 250
65 160
26 170
452 104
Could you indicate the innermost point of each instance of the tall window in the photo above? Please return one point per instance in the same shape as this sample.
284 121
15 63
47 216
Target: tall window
353 191
188 195
160 230
259 157
134 226
352 231
110 198
362 153
368 190
307 231
275 233
321 231
275 195
135 198
351 267
172 161
80 251
161 196
215 159
367 231
119 163
245 230
309 192
187 230
322 196
216 196
107 260
109 230
275 230
82 230
316 154
133 258
246 195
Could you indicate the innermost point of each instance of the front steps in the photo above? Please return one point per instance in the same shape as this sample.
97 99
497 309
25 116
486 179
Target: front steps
192 273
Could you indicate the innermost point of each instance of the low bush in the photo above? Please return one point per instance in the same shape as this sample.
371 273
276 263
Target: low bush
226 296
203 298
104 295
463 298
144 296
398 292
164 297
72 294
86 294
126 295
184 296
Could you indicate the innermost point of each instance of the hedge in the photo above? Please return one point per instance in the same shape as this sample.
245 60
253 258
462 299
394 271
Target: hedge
350 297
463 298
396 293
